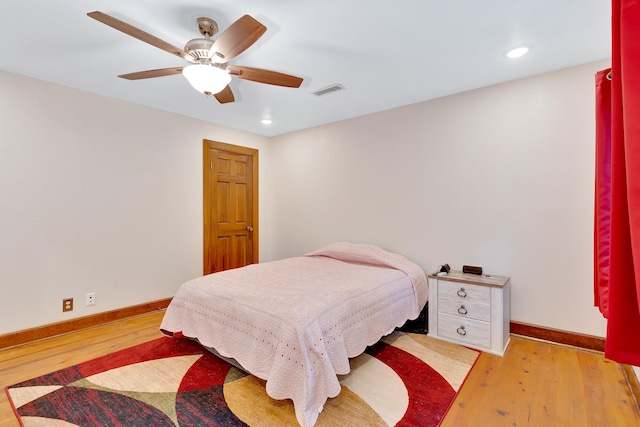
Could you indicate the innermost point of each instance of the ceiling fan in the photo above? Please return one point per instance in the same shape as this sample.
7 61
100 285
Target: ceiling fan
209 71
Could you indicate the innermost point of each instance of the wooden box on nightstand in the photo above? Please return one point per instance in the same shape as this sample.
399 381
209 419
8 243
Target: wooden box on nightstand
472 310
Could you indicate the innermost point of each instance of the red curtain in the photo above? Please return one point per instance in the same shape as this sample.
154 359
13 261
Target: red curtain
620 298
602 220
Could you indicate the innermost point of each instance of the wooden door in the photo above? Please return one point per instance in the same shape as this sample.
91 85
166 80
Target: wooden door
230 183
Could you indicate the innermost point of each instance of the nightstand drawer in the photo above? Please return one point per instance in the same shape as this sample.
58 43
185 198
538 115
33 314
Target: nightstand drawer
461 307
465 331
464 292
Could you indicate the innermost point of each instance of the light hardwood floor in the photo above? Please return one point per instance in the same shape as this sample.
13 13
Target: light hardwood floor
534 384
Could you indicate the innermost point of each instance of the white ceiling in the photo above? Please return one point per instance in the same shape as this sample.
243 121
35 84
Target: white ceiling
386 53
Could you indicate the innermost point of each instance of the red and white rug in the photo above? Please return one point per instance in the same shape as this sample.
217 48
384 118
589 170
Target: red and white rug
404 380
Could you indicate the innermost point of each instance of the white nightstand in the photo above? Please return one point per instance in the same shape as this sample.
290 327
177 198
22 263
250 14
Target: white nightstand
472 310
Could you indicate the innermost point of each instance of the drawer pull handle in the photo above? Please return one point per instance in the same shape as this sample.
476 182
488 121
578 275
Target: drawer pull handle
462 310
461 331
462 293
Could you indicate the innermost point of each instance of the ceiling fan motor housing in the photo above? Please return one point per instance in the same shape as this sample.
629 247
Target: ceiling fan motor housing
199 49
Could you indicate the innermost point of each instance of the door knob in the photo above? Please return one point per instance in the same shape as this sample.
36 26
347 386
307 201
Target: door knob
249 228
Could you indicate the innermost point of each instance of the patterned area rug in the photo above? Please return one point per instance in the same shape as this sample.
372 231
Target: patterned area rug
404 380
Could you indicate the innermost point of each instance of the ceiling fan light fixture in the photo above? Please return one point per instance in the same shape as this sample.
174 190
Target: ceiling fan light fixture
207 79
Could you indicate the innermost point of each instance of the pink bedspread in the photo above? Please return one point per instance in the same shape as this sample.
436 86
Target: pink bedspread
296 322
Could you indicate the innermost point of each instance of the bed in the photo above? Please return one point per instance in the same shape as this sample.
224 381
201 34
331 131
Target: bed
296 322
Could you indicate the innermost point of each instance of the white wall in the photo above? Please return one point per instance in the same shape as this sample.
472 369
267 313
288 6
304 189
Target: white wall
500 177
100 195
97 195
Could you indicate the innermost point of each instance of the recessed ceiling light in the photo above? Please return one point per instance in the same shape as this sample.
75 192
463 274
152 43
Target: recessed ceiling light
266 121
517 52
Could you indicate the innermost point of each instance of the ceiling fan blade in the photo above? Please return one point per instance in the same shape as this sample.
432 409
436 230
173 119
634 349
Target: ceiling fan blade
265 76
137 33
238 37
152 73
225 95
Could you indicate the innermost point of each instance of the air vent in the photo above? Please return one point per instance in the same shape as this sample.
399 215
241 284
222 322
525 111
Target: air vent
333 88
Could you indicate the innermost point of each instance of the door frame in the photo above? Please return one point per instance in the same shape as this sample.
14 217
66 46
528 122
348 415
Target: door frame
207 146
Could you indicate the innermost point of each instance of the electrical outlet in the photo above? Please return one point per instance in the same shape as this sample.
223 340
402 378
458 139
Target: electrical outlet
67 304
91 298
